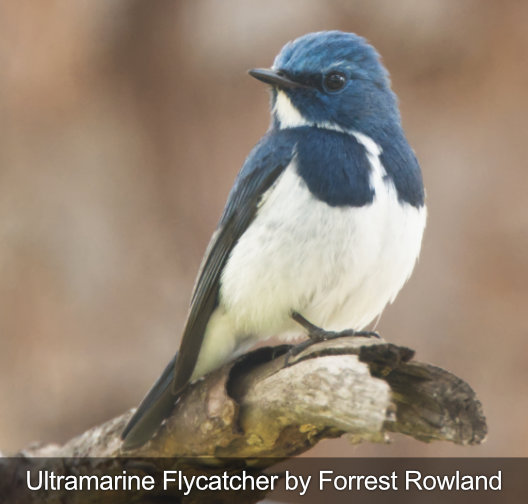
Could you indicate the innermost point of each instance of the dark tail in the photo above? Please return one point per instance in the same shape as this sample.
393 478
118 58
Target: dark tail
155 407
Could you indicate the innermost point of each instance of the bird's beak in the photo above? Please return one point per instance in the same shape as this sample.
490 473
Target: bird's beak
273 77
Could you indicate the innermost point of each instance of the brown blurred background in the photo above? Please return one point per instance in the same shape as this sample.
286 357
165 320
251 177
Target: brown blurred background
122 127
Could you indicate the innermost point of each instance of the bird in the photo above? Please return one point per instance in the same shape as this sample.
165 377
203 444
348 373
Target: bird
322 227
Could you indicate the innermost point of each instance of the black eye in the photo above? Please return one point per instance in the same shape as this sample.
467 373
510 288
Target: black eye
334 81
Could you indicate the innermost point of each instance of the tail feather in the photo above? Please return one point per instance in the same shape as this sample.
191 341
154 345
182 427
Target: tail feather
155 407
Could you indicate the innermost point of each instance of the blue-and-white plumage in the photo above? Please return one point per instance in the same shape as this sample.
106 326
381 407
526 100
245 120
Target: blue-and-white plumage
325 218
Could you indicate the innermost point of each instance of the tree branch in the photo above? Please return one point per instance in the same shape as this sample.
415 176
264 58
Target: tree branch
269 406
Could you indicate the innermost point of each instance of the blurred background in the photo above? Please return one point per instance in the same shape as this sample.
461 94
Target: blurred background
122 127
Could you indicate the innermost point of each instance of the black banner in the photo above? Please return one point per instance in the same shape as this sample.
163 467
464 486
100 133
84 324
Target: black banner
307 480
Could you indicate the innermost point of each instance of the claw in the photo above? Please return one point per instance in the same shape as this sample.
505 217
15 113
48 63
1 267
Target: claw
317 334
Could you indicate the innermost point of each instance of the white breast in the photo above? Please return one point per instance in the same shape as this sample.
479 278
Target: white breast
337 266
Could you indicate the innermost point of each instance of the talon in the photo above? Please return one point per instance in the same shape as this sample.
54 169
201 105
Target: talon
368 334
317 334
297 349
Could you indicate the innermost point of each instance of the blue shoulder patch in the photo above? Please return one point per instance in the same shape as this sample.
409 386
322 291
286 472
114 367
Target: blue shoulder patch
264 164
334 166
402 167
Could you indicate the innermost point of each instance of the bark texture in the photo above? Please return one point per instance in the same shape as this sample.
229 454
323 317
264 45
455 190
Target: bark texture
269 405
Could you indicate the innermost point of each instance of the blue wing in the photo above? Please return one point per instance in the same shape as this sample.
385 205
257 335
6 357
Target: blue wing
263 166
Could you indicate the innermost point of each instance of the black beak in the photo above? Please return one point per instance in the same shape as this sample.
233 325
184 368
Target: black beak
275 78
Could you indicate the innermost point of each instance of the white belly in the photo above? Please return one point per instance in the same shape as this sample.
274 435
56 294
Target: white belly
338 267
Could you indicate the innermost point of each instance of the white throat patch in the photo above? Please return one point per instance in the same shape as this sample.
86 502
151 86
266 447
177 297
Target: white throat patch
290 117
287 114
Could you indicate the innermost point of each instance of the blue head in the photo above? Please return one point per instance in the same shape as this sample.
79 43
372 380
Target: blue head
334 79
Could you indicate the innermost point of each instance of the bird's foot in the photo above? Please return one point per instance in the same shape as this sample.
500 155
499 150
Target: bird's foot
317 334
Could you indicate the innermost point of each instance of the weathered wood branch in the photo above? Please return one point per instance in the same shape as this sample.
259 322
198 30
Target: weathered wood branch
268 405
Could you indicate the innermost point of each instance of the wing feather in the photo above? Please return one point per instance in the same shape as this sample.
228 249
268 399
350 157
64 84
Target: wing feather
262 168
